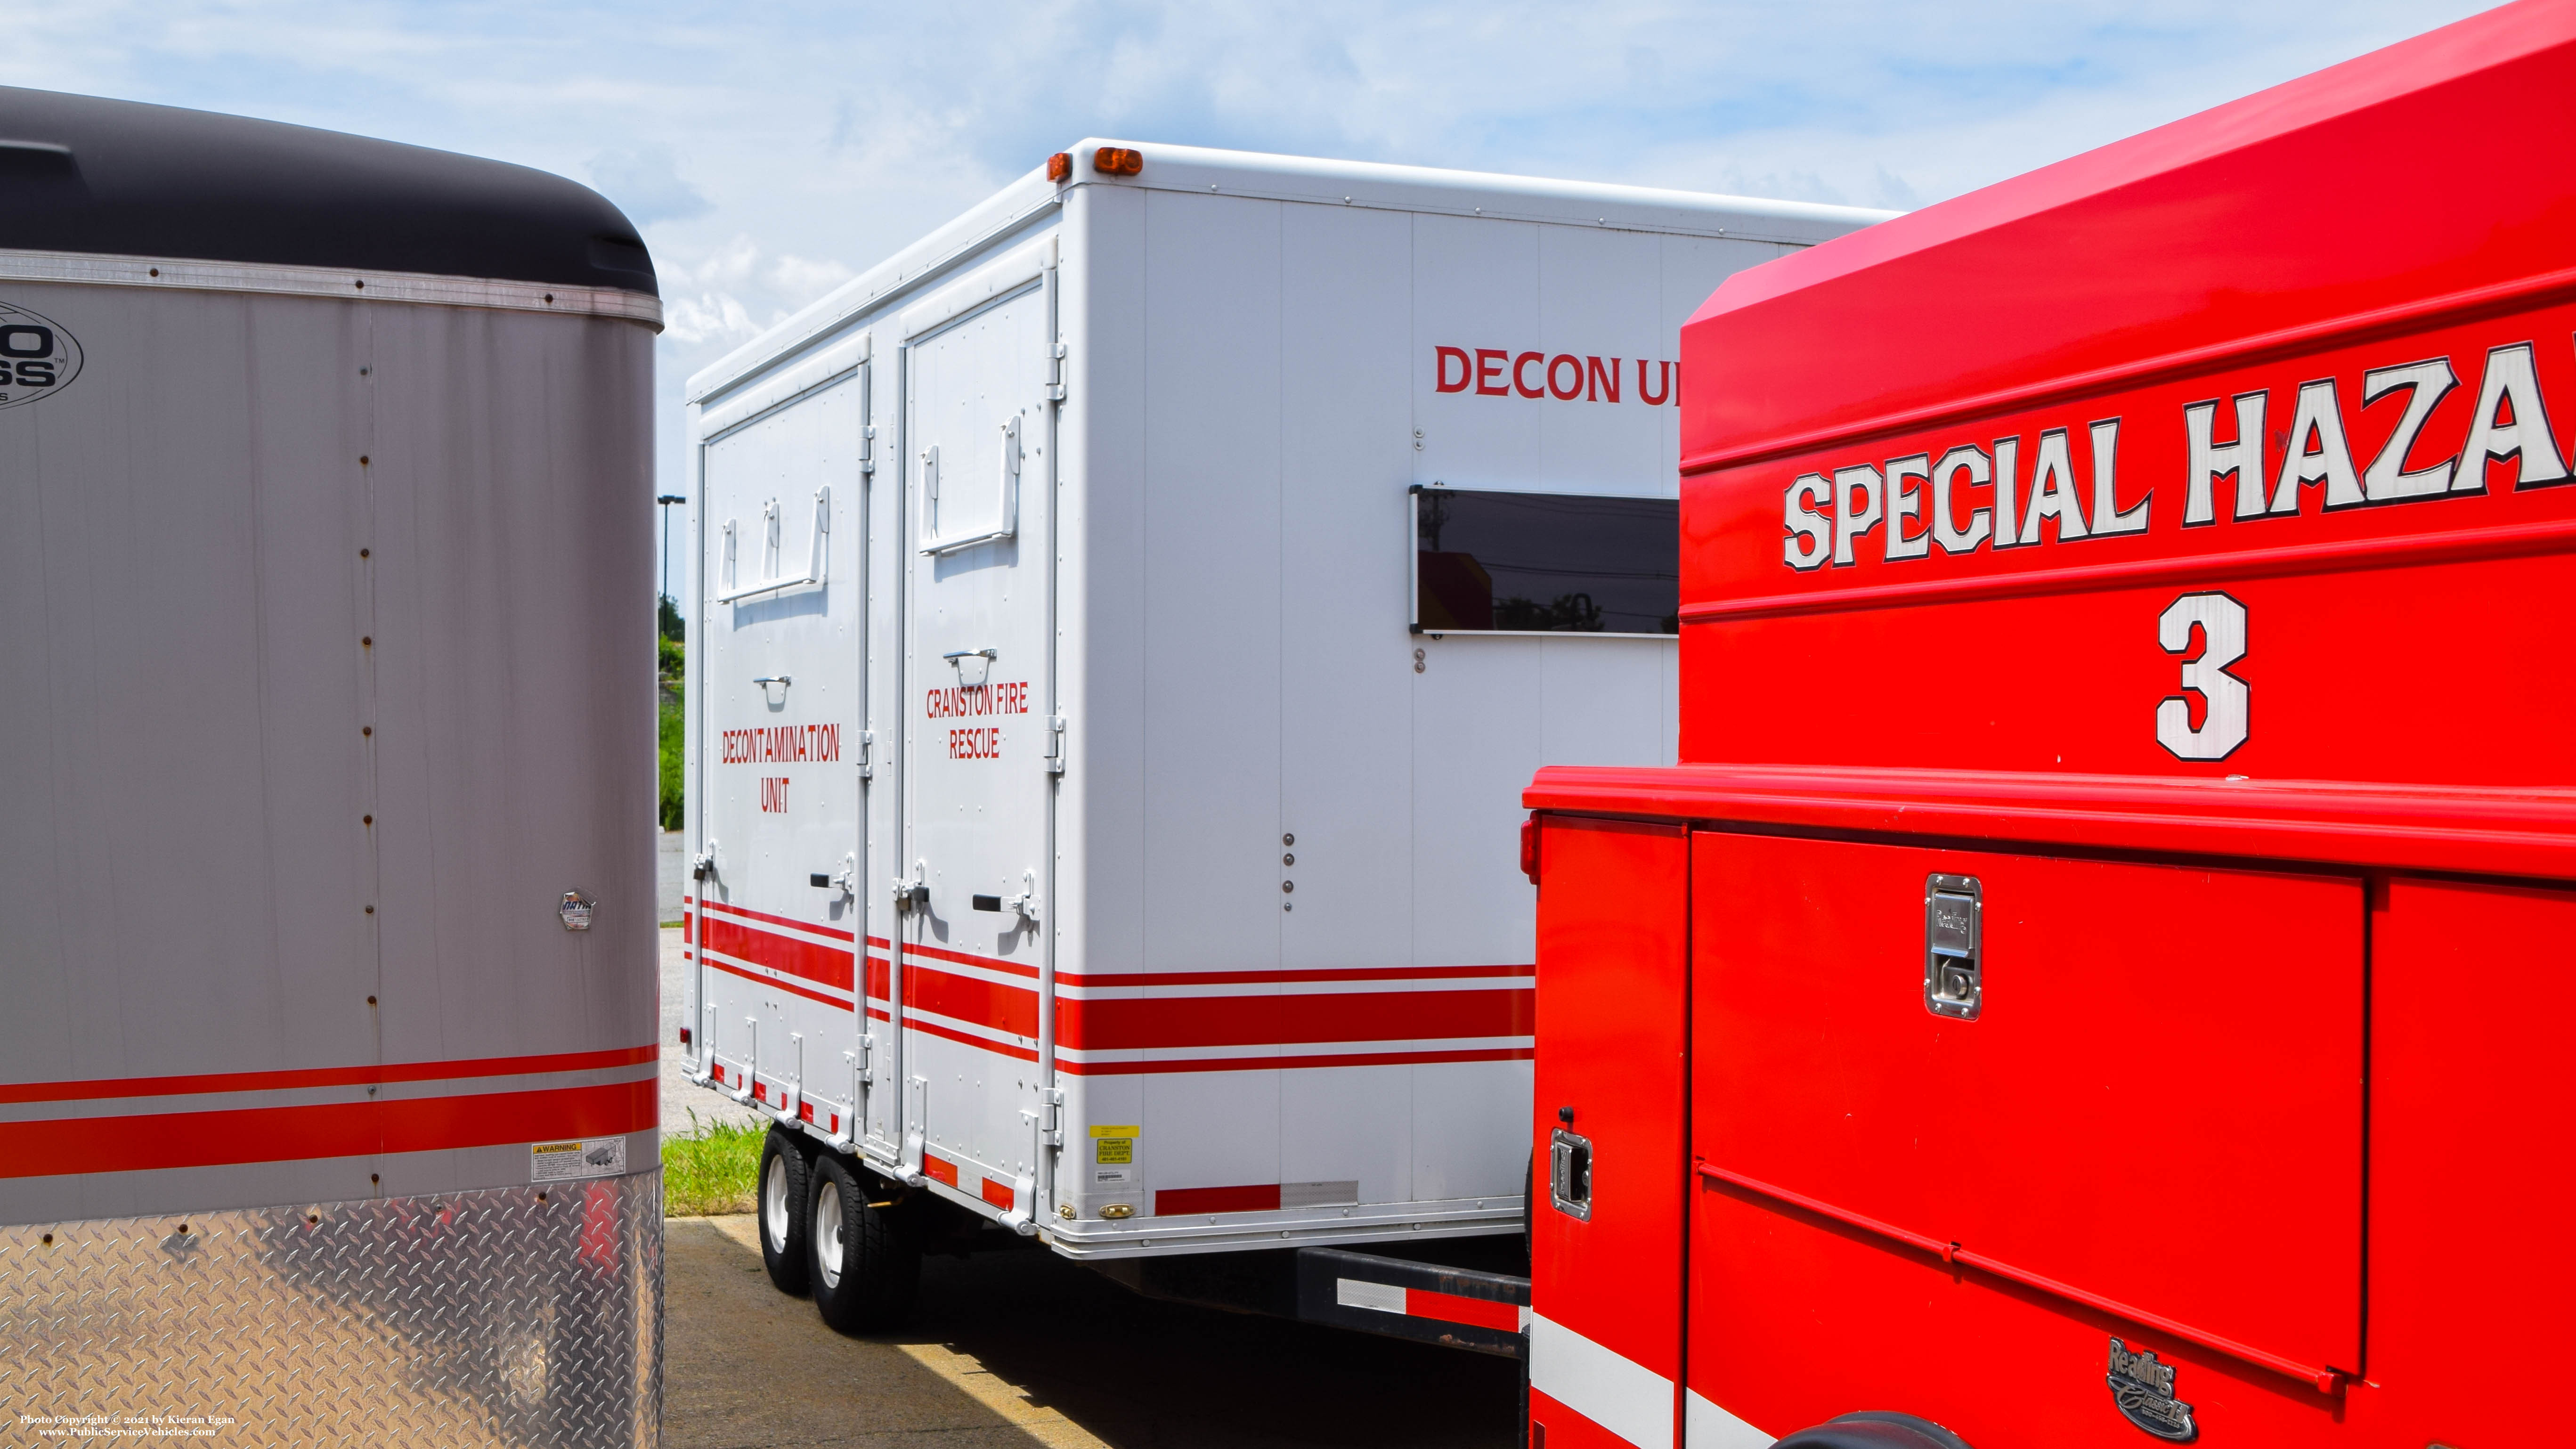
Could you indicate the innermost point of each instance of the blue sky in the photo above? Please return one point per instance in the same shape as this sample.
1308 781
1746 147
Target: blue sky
769 151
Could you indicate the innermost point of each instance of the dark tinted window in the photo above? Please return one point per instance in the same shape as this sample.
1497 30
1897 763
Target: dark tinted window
1545 562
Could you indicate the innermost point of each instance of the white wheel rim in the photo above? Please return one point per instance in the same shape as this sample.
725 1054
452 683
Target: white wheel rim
773 1203
827 1232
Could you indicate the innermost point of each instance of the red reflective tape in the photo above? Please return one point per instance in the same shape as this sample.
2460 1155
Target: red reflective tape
1451 1308
325 1076
1000 1194
1126 1024
1288 1063
339 1129
777 985
939 1168
1255 978
822 965
929 1028
1258 1197
721 909
969 958
1002 1007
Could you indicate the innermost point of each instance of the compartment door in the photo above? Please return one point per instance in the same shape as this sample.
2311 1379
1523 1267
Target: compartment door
2141 1083
780 700
1608 1167
978 742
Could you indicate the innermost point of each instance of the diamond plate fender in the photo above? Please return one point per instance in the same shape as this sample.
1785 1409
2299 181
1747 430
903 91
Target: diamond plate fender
525 1317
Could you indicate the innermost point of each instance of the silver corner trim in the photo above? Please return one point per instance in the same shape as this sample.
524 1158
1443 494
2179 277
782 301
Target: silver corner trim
181 274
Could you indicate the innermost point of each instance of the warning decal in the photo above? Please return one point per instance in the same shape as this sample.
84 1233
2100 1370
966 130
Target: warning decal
565 1161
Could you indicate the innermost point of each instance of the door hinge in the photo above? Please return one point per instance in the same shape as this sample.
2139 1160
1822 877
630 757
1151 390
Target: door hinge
1055 744
1055 373
867 754
868 449
1054 1099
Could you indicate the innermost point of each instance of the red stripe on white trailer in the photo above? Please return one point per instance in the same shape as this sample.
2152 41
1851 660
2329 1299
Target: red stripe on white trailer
1149 1022
913 1022
792 989
1107 979
820 963
1166 1065
719 908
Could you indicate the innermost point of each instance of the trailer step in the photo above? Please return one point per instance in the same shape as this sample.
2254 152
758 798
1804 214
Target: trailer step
1455 1307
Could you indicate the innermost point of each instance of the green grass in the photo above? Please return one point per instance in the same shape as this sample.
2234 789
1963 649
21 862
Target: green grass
674 731
709 1169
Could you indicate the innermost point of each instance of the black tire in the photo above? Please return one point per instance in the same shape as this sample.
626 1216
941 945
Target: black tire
1875 1430
866 1266
779 1197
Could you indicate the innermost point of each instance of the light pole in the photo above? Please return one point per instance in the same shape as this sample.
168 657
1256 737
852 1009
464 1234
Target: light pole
666 500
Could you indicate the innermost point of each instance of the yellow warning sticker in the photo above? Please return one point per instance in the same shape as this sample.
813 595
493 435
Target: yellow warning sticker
1114 1144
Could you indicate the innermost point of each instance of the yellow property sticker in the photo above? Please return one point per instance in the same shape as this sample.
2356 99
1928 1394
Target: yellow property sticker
1114 1142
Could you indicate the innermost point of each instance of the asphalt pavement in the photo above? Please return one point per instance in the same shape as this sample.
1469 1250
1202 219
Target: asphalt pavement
1013 1349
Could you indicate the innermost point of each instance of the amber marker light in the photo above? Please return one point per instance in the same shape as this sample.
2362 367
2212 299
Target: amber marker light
1117 161
1059 166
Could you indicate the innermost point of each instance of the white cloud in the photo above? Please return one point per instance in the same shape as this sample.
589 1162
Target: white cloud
644 181
770 152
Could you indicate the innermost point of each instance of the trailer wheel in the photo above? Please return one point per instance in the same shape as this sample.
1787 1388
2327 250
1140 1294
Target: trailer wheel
784 1174
867 1269
1875 1430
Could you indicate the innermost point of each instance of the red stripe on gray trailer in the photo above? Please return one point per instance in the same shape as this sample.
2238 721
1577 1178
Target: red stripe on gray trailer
338 1129
359 1076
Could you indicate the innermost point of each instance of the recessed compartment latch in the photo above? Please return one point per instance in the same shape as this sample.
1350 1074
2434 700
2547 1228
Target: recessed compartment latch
1954 982
1569 1174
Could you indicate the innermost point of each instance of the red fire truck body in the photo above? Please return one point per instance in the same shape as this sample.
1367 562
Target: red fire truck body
2098 974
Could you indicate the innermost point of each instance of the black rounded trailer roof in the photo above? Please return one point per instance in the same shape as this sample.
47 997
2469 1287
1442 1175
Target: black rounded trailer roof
82 174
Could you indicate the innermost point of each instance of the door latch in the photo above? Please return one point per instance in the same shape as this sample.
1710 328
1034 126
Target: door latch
1025 904
1569 1174
1953 947
913 894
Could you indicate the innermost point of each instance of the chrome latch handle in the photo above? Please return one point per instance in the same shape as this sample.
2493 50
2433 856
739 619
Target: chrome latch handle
1954 979
1569 1174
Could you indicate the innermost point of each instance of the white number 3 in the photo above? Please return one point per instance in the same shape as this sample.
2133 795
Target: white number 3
2222 622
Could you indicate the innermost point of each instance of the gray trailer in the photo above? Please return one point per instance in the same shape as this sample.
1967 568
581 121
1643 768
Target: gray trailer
327 998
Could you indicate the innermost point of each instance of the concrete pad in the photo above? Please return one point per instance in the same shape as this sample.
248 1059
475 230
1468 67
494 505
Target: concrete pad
1024 1348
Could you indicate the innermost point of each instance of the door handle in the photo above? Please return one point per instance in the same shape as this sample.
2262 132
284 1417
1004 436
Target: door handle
1569 1174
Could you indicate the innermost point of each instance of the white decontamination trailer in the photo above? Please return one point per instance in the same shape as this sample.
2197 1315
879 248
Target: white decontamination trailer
1125 619
327 1017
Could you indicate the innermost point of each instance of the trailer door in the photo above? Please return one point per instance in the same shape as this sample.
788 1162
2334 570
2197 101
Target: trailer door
780 695
978 739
